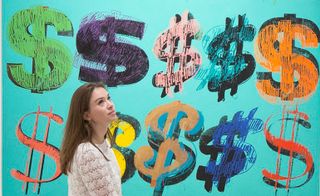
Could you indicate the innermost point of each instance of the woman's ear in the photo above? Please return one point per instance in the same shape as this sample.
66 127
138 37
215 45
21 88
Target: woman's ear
86 116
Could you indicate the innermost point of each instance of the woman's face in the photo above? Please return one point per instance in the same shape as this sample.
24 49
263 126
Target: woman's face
101 109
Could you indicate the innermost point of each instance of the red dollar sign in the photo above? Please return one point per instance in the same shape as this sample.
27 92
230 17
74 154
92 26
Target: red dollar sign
289 148
42 147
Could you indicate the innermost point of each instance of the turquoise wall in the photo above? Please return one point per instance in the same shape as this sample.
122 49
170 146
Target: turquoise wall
239 108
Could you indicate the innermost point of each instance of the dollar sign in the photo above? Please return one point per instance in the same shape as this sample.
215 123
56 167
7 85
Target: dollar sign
276 51
229 66
289 148
168 161
229 155
125 130
105 58
51 60
43 147
182 29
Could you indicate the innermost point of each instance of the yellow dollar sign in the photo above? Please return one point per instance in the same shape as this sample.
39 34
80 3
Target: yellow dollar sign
127 130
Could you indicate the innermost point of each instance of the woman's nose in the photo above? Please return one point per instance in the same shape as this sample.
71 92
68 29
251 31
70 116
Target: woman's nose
109 104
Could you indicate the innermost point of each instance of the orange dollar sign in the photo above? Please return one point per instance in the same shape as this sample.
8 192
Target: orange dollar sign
179 116
159 170
167 161
43 147
275 50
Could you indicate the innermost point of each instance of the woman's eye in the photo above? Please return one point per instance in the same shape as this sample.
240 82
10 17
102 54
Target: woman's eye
101 102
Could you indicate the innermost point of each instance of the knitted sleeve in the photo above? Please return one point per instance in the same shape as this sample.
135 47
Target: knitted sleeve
95 173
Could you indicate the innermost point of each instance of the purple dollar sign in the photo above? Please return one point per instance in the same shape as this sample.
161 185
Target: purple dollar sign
109 60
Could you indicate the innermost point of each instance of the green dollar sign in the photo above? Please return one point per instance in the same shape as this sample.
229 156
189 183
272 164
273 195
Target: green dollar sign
51 60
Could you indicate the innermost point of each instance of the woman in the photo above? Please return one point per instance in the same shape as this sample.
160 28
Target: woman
86 156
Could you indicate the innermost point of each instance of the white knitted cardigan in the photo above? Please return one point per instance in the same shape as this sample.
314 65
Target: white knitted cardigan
92 174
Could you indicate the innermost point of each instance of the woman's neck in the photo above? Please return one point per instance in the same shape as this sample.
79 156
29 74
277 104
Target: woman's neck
97 140
98 135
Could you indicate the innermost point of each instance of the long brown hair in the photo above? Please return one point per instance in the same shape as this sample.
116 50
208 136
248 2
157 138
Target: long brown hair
77 130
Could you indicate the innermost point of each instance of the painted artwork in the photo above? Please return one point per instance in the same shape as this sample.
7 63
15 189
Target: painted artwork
213 97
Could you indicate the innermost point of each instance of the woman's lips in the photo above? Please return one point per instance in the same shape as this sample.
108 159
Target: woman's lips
113 112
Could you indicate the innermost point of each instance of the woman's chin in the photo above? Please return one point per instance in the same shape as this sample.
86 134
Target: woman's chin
113 119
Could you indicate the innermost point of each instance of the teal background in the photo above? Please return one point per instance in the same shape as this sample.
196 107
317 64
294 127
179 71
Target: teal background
138 99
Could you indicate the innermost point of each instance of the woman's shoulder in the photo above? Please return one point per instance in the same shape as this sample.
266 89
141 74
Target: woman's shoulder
84 149
84 146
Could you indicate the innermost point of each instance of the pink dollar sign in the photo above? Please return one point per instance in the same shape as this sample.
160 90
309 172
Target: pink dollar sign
182 29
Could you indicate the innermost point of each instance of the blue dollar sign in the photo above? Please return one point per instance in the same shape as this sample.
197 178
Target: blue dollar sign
229 66
229 154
